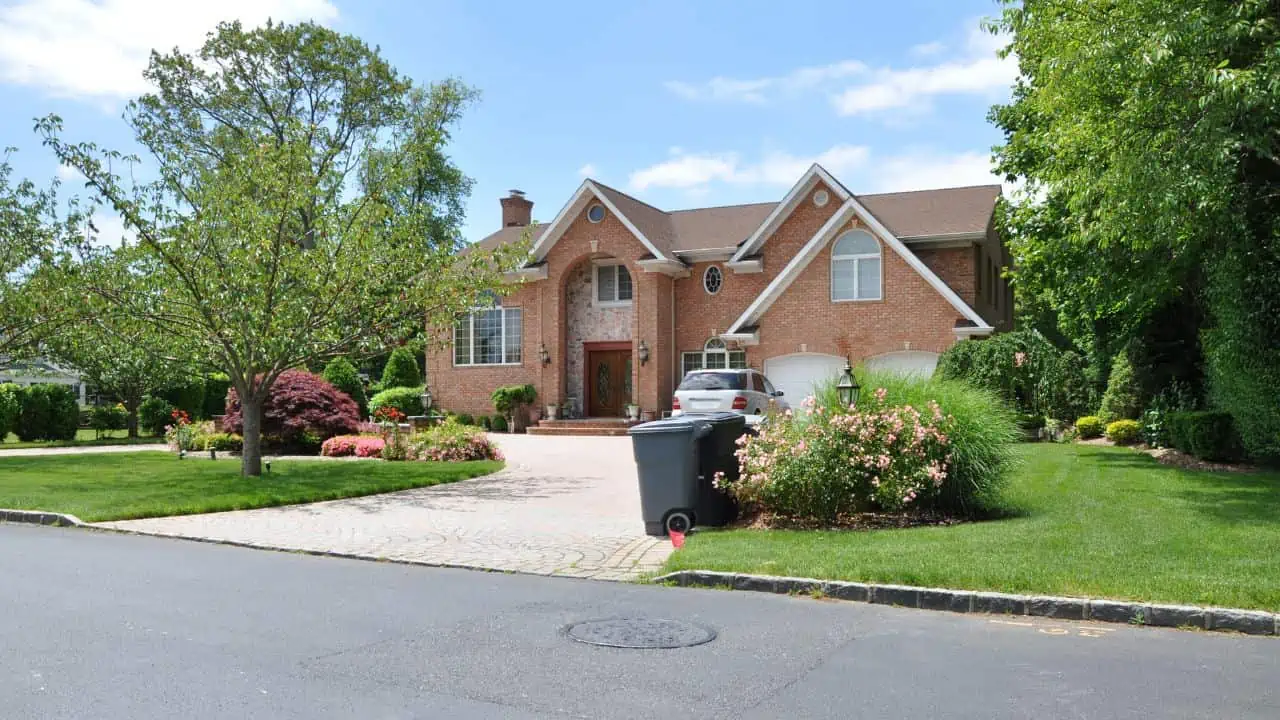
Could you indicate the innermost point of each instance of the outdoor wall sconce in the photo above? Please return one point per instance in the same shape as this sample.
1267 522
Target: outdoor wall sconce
848 387
644 352
543 355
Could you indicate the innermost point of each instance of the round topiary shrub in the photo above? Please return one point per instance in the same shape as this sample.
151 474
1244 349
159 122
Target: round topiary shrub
341 374
408 400
1123 398
302 409
1124 432
154 414
47 412
401 370
1089 427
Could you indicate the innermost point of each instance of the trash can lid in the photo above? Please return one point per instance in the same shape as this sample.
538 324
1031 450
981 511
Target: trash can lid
679 424
720 417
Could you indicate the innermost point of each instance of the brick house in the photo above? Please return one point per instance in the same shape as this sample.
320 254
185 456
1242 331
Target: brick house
620 299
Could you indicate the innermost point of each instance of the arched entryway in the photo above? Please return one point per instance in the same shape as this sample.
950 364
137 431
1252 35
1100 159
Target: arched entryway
599 295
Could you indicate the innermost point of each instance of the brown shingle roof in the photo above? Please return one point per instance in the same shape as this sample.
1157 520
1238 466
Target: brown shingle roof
918 213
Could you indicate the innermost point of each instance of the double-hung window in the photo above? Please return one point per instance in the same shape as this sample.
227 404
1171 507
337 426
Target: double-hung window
855 267
488 336
612 285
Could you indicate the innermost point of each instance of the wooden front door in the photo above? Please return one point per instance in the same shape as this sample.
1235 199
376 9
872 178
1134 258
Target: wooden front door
608 379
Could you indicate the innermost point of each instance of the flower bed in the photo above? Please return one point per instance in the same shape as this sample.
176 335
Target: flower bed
452 441
363 446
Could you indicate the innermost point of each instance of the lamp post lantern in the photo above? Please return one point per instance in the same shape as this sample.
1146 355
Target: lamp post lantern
848 387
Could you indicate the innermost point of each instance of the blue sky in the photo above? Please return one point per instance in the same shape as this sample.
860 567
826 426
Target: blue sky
700 102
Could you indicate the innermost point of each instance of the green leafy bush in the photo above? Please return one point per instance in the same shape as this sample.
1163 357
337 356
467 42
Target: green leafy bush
1030 425
1089 427
105 418
511 400
343 375
215 394
1123 398
1025 369
1208 435
498 423
10 406
485 422
465 419
407 400
189 397
47 411
222 442
1124 432
154 414
980 432
402 371
451 441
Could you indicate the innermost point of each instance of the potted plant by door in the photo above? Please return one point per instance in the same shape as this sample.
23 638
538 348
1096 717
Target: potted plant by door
633 411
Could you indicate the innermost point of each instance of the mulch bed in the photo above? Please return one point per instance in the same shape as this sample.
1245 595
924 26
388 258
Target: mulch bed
853 521
1177 458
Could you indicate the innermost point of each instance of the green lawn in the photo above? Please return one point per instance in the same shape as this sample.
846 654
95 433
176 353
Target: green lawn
1088 521
84 437
134 485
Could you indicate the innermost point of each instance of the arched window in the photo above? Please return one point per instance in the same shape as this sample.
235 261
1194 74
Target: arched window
715 355
855 267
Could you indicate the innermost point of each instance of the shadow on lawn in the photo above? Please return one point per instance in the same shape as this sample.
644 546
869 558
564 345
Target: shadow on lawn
1237 497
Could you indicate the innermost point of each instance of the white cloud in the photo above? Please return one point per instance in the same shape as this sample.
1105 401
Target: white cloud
87 49
67 174
588 170
976 71
695 171
110 230
761 90
922 170
928 49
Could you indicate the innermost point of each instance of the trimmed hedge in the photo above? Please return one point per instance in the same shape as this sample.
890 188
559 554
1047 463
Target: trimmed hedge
1208 435
401 371
407 400
341 374
1089 427
10 406
154 414
1124 432
47 412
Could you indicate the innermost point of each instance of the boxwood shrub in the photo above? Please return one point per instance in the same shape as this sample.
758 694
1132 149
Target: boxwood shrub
1208 435
1089 427
407 400
1124 432
48 412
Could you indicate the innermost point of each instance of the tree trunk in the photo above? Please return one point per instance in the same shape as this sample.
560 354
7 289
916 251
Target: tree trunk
131 419
251 453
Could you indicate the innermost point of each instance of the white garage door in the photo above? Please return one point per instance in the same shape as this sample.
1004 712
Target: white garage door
907 362
796 375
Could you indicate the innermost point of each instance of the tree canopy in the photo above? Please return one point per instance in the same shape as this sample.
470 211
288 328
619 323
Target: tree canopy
303 207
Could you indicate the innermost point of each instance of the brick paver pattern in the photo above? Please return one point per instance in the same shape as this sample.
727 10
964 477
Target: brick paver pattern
563 506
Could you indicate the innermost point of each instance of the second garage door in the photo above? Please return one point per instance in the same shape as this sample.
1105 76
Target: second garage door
798 375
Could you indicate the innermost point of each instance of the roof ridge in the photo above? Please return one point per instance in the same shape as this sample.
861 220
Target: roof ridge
629 197
722 207
925 190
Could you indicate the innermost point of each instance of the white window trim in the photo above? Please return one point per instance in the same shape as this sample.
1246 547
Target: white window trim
704 352
471 318
856 258
595 290
593 206
707 272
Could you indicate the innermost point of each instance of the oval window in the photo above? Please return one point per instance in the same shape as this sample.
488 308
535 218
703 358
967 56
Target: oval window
712 279
595 213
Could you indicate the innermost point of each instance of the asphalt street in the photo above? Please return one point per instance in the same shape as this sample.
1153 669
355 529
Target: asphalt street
102 625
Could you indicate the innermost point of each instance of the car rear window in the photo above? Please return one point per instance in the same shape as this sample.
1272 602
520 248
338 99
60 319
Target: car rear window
713 381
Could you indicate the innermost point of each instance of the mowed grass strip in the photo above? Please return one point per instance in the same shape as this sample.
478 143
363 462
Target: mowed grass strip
84 438
1084 521
101 487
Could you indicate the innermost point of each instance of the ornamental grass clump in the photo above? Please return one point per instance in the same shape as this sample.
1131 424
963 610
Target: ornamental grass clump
910 444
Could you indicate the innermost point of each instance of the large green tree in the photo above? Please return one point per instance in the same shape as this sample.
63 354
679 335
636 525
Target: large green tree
1147 134
303 207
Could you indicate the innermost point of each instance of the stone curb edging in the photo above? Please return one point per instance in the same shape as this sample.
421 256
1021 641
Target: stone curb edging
38 517
1249 622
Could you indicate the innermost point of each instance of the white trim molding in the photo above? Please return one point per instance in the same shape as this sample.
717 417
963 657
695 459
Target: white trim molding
535 272
968 331
674 268
576 204
748 266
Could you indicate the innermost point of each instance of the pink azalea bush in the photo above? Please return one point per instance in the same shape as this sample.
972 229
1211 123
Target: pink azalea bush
909 444
363 446
452 441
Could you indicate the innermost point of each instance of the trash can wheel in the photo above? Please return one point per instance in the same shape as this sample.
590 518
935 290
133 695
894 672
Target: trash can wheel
679 521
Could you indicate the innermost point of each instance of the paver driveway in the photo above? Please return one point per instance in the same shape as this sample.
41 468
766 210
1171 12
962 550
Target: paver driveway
562 506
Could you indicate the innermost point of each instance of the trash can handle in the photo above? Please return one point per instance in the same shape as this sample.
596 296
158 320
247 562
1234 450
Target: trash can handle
701 430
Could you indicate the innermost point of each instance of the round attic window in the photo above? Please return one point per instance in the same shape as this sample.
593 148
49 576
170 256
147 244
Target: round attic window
595 213
712 279
821 198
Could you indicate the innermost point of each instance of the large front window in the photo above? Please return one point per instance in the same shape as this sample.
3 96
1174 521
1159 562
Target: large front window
715 355
489 336
855 267
613 285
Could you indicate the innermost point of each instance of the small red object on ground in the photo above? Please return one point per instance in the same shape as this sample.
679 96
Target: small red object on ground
677 538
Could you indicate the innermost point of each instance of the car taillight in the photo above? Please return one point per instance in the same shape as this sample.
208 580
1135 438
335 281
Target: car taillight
675 403
739 403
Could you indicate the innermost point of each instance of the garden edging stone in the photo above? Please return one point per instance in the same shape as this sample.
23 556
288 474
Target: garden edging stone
39 517
1249 622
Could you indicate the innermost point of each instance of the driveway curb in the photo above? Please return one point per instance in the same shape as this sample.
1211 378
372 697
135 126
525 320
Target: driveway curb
1249 622
38 517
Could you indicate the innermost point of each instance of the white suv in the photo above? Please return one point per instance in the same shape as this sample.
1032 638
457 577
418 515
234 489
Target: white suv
746 391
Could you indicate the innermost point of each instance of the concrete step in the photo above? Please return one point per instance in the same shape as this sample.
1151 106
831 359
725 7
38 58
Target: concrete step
578 430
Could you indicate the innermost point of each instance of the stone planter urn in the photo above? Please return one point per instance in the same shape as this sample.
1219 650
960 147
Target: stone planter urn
633 412
552 410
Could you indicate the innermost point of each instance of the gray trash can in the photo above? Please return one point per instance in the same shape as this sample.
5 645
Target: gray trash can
666 453
717 454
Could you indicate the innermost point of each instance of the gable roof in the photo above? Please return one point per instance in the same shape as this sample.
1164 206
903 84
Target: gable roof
908 215
653 220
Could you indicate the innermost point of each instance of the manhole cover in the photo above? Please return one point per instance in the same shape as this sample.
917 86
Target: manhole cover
646 633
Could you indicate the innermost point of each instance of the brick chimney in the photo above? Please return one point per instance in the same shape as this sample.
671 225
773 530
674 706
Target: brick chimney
516 210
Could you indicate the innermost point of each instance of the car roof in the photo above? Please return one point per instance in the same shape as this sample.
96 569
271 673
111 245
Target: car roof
721 370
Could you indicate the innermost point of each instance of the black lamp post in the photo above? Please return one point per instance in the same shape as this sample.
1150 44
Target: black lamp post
848 386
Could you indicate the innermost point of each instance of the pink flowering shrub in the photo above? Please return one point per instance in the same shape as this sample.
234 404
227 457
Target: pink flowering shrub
909 444
364 446
452 441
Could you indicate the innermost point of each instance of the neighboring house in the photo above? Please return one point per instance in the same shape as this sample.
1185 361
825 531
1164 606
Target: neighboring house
40 370
620 299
